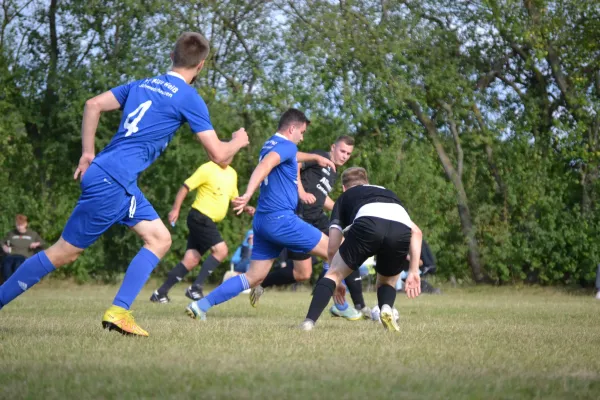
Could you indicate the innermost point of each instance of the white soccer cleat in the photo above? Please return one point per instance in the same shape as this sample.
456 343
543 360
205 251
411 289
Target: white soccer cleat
375 314
366 313
388 319
396 314
598 295
307 325
255 294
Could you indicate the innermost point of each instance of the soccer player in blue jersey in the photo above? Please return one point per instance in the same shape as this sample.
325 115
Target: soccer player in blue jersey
153 109
276 225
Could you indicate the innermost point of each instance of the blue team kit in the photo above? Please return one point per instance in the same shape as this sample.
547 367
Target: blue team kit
275 224
153 110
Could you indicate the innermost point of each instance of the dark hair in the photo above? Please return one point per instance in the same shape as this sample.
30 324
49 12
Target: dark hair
292 116
190 50
349 140
354 176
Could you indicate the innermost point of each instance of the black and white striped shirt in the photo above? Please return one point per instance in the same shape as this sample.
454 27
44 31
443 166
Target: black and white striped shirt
367 201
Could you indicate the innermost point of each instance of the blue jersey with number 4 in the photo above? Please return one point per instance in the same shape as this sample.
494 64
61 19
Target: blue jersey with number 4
153 109
279 190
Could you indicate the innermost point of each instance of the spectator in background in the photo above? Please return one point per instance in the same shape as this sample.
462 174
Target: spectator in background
241 257
426 266
19 244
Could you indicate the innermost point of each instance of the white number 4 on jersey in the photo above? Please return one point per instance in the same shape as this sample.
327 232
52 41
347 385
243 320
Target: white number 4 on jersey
139 112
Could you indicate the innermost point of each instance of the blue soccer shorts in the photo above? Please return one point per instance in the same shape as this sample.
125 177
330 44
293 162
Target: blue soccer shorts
104 202
275 231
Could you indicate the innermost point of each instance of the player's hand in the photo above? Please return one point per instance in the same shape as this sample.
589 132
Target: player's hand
241 136
325 162
307 198
339 297
240 202
173 216
34 245
84 163
412 286
249 210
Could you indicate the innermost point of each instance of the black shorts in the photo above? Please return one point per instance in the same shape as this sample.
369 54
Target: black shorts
322 224
203 232
387 240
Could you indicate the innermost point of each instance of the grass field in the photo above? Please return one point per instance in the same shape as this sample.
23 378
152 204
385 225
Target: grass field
480 343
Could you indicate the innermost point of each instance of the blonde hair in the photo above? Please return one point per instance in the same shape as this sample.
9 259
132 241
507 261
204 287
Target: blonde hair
354 176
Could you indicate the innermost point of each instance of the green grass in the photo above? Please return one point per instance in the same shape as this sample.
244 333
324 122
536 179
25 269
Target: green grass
466 344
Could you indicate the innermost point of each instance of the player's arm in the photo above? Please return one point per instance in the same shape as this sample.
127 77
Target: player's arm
235 194
305 197
219 151
413 280
174 213
262 170
329 203
320 160
336 237
91 115
336 229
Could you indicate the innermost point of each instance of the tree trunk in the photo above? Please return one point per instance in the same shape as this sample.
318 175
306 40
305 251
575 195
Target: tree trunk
464 212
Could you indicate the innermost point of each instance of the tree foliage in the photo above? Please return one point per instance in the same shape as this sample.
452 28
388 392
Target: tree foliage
482 115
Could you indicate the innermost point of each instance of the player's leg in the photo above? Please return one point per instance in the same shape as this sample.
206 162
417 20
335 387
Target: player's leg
339 310
301 271
231 288
143 220
99 206
218 253
389 265
325 289
386 296
36 267
299 237
196 246
362 241
264 253
354 285
191 258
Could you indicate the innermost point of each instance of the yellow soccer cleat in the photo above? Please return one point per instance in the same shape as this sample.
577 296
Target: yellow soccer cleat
388 319
121 320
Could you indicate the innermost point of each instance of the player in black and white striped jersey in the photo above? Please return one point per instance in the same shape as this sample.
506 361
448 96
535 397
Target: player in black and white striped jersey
374 223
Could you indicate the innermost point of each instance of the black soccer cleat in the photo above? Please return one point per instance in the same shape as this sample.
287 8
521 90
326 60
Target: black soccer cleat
194 293
159 298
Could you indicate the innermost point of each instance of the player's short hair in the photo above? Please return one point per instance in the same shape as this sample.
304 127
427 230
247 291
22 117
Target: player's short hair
20 219
190 50
292 116
348 140
354 176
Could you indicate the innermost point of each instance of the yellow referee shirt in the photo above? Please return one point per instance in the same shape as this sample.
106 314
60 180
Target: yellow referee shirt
216 188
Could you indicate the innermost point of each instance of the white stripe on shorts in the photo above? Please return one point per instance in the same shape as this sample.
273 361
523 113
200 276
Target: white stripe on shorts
132 206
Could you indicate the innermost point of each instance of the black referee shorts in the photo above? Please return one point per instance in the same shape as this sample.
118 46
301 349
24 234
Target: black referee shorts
322 224
203 232
387 240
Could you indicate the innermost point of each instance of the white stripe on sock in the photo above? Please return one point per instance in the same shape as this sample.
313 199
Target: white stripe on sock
245 281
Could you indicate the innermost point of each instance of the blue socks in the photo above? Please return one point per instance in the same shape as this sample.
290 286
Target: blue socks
342 307
27 275
136 276
226 291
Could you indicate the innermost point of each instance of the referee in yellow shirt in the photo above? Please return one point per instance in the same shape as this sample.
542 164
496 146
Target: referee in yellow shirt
216 186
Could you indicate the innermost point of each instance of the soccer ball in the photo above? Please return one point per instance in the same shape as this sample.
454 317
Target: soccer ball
375 314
